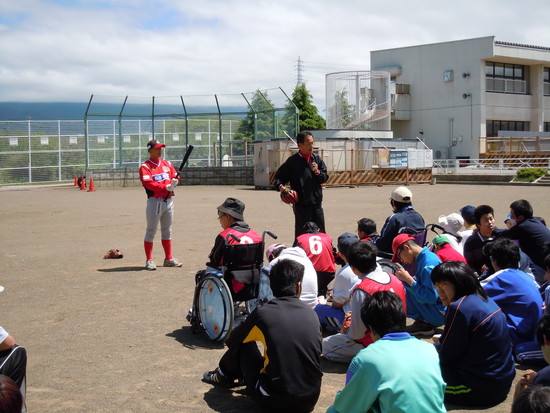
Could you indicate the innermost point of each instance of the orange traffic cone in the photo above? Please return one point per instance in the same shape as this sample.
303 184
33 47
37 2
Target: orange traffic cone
75 180
92 186
83 183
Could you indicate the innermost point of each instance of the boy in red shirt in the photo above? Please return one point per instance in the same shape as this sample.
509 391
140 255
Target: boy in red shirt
319 249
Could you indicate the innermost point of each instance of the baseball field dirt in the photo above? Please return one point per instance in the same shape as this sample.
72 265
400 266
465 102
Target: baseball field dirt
106 335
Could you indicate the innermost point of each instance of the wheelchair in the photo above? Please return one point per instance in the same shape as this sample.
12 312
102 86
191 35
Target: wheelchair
226 296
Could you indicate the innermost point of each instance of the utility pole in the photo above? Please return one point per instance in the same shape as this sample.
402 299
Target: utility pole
299 72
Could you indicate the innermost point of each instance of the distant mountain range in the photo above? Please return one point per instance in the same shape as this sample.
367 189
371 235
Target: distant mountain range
76 110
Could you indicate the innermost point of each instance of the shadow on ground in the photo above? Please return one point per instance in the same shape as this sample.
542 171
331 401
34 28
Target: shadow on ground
185 336
121 269
225 400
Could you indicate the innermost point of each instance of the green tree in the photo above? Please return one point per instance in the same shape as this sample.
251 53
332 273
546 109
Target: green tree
309 115
343 110
263 114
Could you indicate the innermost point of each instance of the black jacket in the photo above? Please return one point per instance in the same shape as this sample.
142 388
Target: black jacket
307 185
532 235
404 218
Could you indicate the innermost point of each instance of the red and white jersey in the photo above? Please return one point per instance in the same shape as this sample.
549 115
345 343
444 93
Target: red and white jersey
318 248
155 176
379 280
249 237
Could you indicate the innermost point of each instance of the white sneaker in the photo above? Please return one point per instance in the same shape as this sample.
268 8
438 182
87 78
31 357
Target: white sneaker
172 262
150 265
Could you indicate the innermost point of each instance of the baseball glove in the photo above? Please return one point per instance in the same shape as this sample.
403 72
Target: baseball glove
289 196
113 254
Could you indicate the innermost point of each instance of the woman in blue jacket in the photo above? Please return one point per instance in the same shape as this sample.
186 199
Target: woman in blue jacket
475 351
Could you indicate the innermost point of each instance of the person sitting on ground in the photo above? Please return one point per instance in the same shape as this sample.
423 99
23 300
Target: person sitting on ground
515 292
287 377
474 350
319 249
530 377
535 399
309 283
531 234
423 305
445 251
404 216
366 230
473 248
231 216
332 316
11 399
451 224
13 361
467 214
396 370
353 336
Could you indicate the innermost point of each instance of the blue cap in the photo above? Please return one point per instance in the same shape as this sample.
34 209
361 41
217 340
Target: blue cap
346 240
467 212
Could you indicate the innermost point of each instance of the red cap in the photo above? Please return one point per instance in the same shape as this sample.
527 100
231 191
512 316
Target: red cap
397 242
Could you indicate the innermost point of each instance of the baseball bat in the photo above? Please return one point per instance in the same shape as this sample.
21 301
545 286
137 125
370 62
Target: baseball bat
183 162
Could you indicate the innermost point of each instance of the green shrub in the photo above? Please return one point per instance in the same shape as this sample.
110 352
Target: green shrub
529 174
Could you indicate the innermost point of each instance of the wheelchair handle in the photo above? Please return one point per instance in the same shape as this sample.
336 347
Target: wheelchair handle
433 227
231 235
271 234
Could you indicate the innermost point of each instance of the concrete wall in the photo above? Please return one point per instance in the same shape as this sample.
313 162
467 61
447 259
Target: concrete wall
190 176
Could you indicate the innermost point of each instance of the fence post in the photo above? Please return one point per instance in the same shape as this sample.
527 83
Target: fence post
457 165
30 151
59 149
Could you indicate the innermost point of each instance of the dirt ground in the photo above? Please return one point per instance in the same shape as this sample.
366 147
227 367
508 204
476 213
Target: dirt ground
106 335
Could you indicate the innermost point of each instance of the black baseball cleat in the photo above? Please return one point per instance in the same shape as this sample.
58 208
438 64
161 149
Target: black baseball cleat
217 378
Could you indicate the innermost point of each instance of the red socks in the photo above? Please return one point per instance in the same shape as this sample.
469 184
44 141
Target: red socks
167 245
148 250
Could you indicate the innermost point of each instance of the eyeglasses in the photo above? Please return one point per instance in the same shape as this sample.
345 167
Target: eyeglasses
398 252
220 215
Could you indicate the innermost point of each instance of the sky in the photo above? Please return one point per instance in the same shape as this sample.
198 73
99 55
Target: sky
67 50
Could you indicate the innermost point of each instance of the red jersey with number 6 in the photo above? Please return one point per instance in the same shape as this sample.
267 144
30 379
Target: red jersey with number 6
318 247
155 176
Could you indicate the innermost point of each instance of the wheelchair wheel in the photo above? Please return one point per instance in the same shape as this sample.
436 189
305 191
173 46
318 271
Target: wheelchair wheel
215 307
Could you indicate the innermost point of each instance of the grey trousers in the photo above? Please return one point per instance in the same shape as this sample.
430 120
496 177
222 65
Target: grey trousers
159 211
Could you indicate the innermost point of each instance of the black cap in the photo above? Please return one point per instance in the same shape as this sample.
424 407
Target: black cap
233 207
346 240
154 143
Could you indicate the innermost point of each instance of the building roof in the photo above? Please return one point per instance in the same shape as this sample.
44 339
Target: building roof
527 46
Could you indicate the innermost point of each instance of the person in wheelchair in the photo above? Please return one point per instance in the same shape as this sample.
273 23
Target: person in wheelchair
231 217
287 376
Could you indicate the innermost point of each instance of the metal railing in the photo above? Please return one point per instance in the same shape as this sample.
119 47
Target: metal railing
506 85
487 166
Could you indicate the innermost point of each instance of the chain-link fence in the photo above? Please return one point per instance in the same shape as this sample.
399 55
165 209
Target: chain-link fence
51 151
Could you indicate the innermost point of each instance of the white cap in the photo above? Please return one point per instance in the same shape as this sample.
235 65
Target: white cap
452 222
402 194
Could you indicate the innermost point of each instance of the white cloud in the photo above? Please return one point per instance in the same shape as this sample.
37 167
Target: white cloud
65 51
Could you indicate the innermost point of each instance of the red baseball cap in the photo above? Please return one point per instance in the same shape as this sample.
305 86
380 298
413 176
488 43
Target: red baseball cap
397 242
154 144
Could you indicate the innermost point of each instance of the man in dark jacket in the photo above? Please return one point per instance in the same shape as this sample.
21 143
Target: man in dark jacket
306 172
531 234
404 216
287 376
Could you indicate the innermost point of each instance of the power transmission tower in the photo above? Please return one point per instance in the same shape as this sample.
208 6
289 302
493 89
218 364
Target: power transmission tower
299 72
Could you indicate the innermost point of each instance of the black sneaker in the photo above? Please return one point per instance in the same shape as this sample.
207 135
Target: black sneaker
218 379
420 329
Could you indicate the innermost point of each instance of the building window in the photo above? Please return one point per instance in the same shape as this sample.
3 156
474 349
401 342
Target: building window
546 81
547 126
505 78
494 126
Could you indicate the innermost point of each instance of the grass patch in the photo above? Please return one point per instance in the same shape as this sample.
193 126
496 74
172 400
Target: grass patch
529 174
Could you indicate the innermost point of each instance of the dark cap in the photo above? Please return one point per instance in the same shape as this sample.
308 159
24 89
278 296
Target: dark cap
233 207
153 144
346 240
467 212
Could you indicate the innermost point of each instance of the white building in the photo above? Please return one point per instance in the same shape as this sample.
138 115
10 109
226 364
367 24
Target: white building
450 94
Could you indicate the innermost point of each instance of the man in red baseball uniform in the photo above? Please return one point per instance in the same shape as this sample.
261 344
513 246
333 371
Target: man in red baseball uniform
318 248
158 177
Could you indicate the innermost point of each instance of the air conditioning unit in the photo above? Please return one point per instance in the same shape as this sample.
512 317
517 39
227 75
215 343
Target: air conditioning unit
441 153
